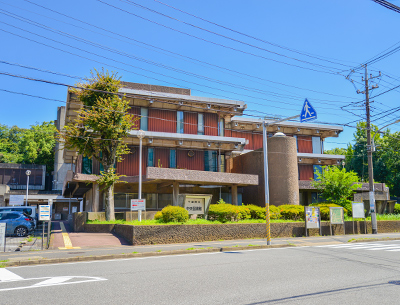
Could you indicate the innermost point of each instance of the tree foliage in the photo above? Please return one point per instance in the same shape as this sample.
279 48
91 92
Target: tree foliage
28 146
336 185
101 125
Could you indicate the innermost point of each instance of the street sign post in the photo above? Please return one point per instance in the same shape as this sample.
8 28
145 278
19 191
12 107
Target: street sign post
3 236
44 212
308 112
138 204
336 217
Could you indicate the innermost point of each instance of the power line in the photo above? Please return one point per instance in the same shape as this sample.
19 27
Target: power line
388 5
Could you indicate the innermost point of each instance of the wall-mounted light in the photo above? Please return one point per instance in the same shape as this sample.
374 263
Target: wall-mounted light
180 103
336 132
278 128
151 101
180 142
208 144
236 145
150 140
298 129
338 161
317 130
236 123
208 106
319 160
299 159
258 125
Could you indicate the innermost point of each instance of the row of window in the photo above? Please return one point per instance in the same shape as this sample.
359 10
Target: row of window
180 122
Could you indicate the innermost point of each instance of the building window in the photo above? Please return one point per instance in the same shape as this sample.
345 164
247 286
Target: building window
150 157
144 118
86 166
210 161
221 125
179 122
317 168
200 123
172 158
316 145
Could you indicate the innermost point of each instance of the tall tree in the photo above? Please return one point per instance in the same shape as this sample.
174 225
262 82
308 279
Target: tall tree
101 125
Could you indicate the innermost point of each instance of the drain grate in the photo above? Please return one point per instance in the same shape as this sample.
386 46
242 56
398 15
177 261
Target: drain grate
394 282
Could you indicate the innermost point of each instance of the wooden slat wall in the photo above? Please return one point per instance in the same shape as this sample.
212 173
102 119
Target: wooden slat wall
161 157
304 144
130 165
183 161
306 172
211 124
135 111
162 120
190 122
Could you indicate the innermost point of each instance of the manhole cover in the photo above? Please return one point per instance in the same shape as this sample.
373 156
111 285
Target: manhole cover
394 282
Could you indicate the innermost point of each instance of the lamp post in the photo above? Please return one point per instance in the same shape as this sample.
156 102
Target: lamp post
28 173
140 135
371 149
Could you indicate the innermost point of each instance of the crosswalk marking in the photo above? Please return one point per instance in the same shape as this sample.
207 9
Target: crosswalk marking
365 246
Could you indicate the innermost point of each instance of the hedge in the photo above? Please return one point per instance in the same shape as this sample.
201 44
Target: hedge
292 212
324 209
224 212
397 208
174 214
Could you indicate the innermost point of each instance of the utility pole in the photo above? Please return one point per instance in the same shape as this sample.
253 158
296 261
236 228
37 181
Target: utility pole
369 151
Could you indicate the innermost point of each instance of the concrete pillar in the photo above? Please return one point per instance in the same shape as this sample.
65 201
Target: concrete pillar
234 195
96 198
175 193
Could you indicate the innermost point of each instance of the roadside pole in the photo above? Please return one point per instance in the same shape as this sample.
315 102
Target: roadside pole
49 223
266 183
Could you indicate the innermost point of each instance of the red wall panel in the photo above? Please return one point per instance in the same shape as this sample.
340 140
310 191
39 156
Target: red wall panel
306 172
135 111
130 165
161 157
162 120
190 123
211 124
304 144
183 161
257 140
244 134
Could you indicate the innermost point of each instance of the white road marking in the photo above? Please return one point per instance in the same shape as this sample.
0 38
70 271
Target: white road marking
54 280
7 275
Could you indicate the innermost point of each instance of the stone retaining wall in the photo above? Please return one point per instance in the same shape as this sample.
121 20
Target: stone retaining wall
165 234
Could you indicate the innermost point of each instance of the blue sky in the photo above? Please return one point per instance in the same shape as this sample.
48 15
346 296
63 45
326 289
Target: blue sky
297 50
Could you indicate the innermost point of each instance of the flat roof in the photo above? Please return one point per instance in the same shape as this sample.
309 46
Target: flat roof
189 98
288 123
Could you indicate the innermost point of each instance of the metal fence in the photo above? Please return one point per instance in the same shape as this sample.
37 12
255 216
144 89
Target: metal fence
34 241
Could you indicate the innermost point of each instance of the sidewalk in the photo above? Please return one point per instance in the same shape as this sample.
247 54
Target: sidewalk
83 249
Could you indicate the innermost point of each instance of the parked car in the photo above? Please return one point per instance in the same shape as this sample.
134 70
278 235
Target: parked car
28 210
17 224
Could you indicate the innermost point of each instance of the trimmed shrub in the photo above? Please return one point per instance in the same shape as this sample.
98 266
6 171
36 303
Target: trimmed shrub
324 209
244 212
174 214
223 212
397 208
292 212
258 212
158 216
274 212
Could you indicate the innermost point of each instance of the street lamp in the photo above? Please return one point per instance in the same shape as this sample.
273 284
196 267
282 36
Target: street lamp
140 135
28 173
371 182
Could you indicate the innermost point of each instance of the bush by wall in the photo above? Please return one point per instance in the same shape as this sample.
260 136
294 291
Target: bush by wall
244 212
223 212
324 209
174 214
292 212
397 208
158 216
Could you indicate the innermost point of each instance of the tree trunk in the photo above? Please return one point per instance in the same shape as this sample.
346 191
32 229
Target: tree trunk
109 194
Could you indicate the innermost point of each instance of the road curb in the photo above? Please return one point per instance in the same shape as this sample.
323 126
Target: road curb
364 240
141 254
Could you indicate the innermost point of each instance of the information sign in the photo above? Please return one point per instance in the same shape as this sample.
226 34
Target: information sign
194 205
336 215
2 236
74 209
358 209
16 200
44 212
312 217
308 112
138 204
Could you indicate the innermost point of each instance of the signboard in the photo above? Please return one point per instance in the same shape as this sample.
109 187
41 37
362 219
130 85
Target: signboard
336 215
17 200
194 205
138 204
65 209
372 202
312 217
44 212
308 112
358 209
74 209
2 236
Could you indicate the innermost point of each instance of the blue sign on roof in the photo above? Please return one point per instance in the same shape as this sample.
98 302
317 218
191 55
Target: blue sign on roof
308 112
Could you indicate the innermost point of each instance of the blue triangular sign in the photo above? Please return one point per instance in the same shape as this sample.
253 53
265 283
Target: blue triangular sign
308 112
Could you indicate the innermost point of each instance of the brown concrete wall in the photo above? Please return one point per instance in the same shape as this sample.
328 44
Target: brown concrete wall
78 221
142 235
282 170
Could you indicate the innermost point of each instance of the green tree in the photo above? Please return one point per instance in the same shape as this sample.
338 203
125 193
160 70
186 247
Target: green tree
336 151
336 185
101 125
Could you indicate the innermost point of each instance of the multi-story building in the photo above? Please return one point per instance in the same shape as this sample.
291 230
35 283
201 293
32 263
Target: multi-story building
185 150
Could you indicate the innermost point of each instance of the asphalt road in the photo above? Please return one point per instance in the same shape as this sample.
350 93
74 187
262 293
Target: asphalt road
330 274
